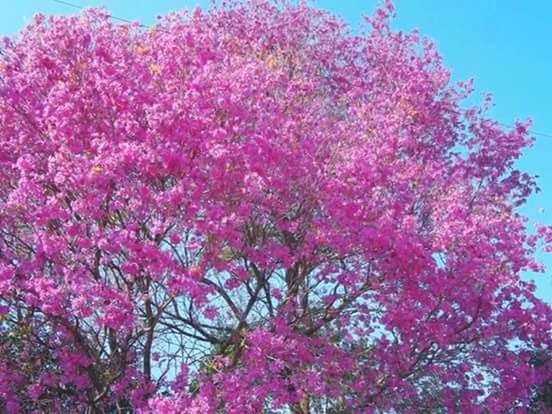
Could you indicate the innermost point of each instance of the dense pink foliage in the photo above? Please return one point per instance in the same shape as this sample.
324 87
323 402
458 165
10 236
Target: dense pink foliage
252 209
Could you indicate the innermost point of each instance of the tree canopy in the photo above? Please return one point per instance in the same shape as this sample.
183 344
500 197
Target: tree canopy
252 209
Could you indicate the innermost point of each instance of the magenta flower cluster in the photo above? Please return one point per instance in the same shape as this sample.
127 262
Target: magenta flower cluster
252 209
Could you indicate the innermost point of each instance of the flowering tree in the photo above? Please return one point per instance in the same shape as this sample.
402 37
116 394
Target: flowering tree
253 210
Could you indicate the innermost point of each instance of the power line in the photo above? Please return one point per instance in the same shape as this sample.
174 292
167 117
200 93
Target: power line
542 134
530 131
121 19
145 26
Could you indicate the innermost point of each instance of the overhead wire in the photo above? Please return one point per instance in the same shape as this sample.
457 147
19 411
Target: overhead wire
121 19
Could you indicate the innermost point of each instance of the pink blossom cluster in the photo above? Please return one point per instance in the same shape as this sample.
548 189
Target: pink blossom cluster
251 209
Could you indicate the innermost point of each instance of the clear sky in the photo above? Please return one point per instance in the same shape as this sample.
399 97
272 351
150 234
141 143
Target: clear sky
504 45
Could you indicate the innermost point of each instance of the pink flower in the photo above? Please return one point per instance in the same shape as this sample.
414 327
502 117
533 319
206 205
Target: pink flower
210 312
132 268
271 207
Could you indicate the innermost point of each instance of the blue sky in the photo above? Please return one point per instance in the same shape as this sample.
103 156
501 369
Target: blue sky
503 45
